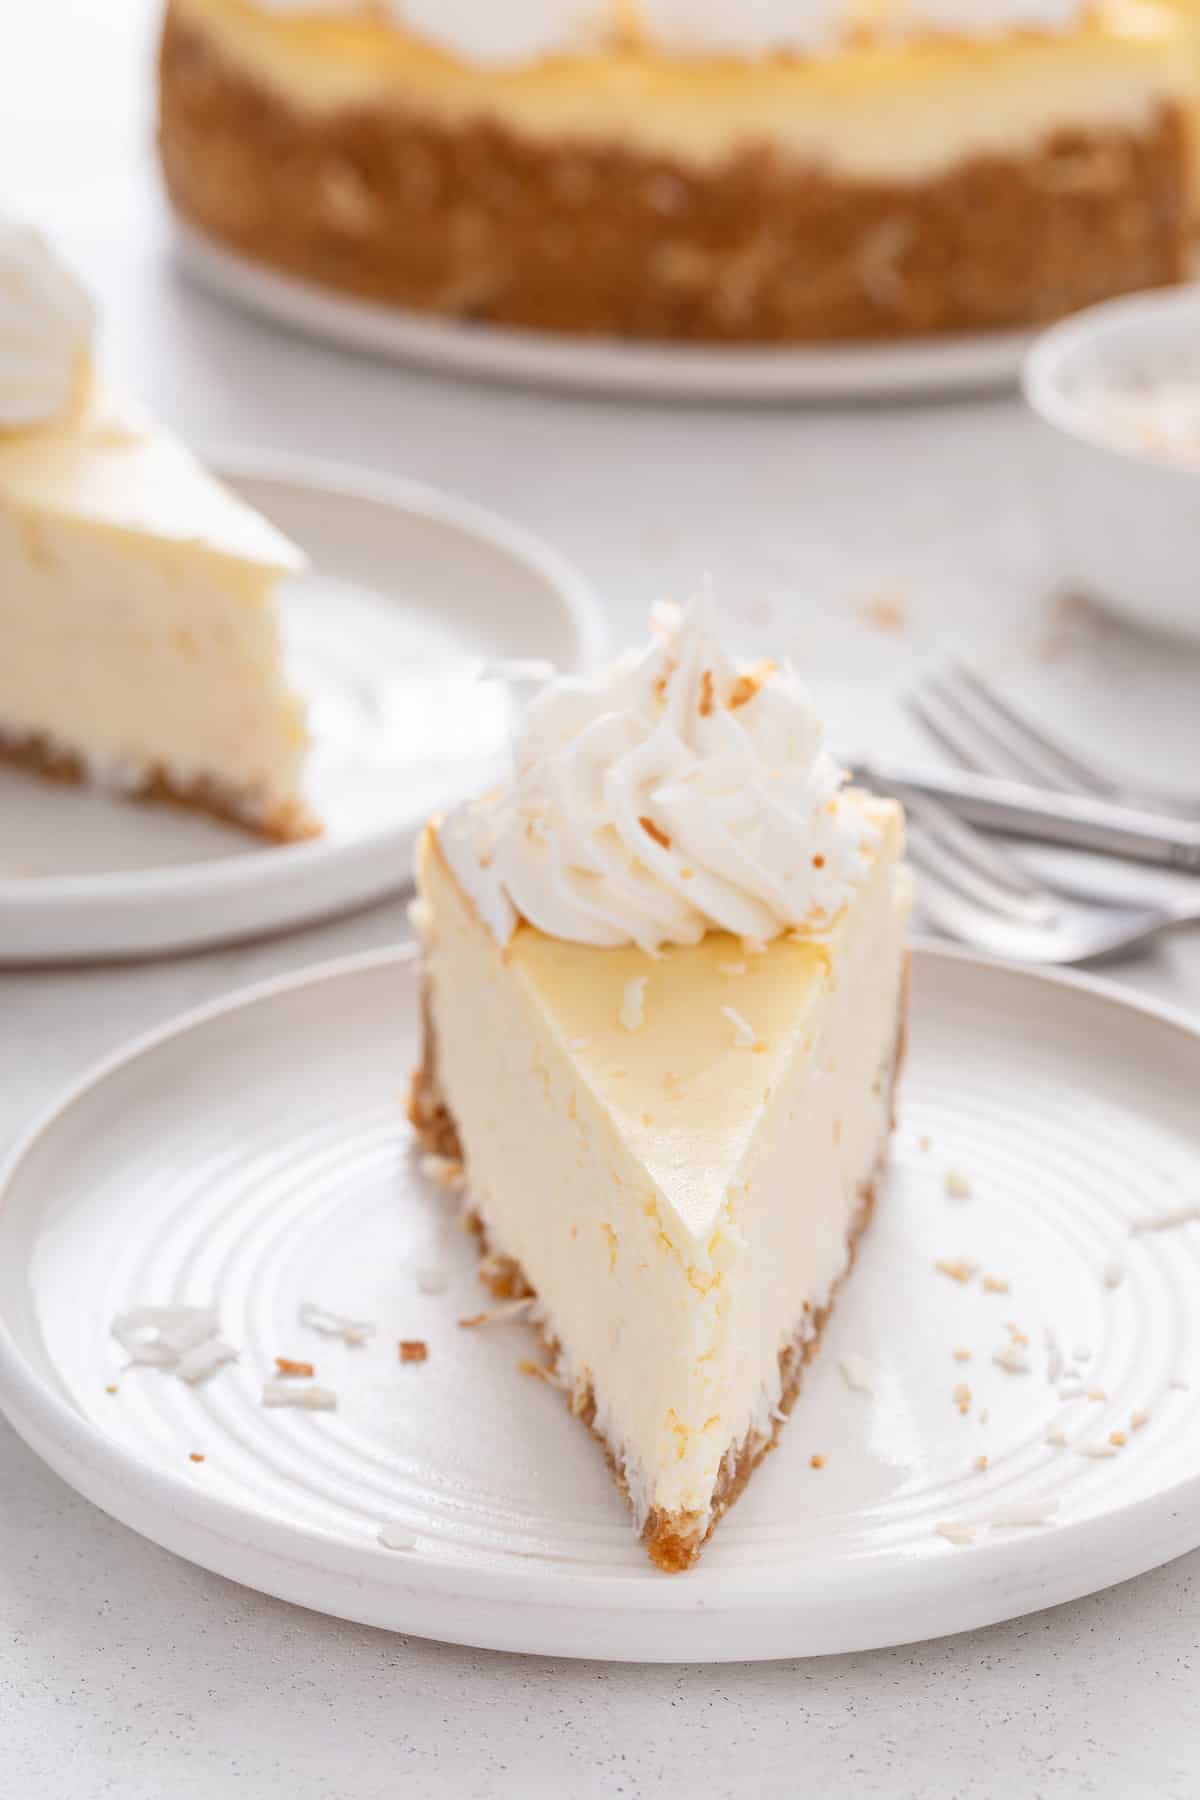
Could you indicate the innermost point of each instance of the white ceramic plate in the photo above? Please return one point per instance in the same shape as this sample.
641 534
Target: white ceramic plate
966 363
256 1156
411 594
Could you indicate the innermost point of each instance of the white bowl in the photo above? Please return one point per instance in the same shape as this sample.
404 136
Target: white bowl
1126 515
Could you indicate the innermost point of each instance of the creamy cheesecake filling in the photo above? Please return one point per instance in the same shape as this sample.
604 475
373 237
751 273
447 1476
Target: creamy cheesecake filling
671 1271
877 110
139 641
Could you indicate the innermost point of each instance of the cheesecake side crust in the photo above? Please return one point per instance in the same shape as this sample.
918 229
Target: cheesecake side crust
479 223
673 1541
289 822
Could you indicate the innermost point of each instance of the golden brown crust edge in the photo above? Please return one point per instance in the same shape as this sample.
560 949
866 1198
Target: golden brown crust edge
673 1541
288 823
478 222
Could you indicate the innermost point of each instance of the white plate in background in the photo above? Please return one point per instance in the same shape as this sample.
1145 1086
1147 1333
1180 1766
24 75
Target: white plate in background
255 1155
967 362
411 594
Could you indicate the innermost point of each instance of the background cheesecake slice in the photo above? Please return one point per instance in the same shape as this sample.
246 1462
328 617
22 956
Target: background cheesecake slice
139 633
676 1152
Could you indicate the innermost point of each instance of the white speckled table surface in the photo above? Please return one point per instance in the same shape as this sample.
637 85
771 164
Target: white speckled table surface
125 1672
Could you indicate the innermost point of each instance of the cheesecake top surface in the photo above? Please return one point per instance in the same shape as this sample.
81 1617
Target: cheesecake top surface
677 792
106 465
521 32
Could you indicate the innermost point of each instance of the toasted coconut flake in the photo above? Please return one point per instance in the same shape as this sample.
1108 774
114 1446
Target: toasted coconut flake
633 1003
205 1360
957 1185
1097 1451
331 1324
816 1460
444 1171
413 1350
857 1372
112 1388
981 1463
1117 1439
287 1365
995 1284
925 1143
961 1355
744 1035
653 831
1138 1419
959 1268
308 1399
431 1281
543 1373
961 1396
500 1315
1096 1393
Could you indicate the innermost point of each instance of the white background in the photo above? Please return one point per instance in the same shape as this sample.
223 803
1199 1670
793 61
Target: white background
125 1672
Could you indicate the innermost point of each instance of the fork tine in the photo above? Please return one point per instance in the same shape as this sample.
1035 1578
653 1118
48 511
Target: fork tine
971 878
977 741
972 848
1067 770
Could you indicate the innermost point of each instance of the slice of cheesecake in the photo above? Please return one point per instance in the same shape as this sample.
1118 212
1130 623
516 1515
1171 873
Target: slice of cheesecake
139 632
675 1151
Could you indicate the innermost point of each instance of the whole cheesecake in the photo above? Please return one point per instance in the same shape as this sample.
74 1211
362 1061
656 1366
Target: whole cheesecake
665 997
800 170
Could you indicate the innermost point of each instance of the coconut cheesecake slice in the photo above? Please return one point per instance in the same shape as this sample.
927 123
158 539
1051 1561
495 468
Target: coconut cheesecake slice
666 980
140 643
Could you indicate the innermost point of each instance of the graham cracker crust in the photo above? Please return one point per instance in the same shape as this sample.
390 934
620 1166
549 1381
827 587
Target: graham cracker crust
673 1541
478 222
287 823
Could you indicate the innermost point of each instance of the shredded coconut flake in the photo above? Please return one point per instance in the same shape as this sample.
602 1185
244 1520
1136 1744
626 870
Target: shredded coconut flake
1054 1355
1071 1390
580 1043
205 1360
308 1399
1012 1359
397 1537
633 1004
1114 1274
499 1315
161 1335
1057 1436
1137 1420
331 1324
731 968
957 1185
857 1373
955 1531
1031 1512
1097 1451
431 1281
744 1035
1166 1221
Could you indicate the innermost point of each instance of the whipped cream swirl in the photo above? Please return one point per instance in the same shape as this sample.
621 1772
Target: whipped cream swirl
46 325
677 793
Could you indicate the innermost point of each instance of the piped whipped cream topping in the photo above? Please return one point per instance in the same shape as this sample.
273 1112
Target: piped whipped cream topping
46 327
511 33
678 792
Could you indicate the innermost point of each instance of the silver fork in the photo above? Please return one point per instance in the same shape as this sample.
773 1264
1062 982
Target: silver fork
972 891
967 716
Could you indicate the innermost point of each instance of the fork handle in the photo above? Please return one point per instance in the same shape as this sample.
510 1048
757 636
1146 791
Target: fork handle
1078 820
